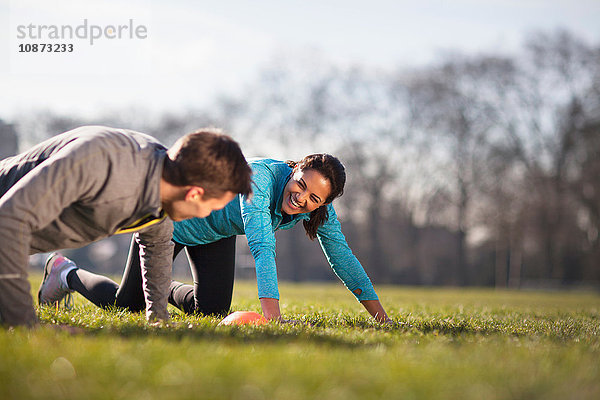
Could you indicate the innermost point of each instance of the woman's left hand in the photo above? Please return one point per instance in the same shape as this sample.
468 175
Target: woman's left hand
375 308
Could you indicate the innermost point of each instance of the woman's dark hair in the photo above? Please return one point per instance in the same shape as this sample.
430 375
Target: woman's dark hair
211 160
332 169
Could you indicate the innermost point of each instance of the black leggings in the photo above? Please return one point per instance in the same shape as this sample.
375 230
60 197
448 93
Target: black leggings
212 266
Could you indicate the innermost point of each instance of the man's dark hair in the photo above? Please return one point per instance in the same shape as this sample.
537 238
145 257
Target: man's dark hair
211 160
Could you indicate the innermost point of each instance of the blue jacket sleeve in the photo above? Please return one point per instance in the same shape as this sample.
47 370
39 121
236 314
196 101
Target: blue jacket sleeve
256 216
345 265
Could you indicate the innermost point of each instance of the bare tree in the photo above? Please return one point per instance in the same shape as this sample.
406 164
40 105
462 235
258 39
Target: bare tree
454 104
542 114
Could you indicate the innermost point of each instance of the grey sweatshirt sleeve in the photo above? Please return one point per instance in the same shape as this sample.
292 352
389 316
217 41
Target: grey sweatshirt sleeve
32 203
156 258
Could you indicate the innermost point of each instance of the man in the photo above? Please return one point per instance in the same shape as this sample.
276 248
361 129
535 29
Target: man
94 182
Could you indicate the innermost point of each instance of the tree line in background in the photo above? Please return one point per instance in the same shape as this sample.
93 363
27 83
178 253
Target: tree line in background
475 170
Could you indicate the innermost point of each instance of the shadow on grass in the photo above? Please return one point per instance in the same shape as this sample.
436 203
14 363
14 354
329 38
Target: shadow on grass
341 334
345 332
242 335
341 330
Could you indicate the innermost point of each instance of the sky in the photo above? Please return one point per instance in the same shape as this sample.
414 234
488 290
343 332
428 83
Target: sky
189 52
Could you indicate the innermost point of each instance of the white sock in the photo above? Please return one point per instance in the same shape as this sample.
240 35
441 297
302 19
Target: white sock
64 273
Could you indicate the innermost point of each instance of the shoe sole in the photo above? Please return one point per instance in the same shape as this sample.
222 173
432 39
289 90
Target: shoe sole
46 273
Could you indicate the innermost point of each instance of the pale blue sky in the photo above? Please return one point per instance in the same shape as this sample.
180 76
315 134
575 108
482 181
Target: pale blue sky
196 49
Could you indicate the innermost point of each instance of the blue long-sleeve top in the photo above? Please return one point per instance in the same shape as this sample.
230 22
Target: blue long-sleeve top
259 217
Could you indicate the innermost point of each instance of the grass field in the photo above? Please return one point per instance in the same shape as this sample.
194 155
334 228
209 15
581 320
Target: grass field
445 344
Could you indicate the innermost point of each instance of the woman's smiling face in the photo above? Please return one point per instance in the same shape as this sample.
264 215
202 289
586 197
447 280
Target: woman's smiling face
306 191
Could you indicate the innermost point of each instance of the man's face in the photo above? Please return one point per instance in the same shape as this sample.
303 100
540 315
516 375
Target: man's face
194 205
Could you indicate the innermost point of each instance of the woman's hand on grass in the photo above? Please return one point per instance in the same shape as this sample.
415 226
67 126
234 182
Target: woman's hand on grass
375 308
270 308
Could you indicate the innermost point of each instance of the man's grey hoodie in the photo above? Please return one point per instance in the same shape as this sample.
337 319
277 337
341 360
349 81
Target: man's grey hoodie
76 188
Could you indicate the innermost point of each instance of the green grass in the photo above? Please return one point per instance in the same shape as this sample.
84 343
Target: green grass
471 344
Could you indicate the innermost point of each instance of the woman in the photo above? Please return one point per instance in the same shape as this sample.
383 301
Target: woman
284 194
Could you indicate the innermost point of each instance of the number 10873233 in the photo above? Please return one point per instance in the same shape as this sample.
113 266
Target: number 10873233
46 48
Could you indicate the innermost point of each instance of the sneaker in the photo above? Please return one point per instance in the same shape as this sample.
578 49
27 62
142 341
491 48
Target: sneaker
54 286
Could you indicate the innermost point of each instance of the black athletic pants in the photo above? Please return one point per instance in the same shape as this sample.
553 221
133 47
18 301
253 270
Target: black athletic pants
212 266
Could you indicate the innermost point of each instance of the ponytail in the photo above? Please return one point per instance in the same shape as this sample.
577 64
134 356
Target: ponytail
317 218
